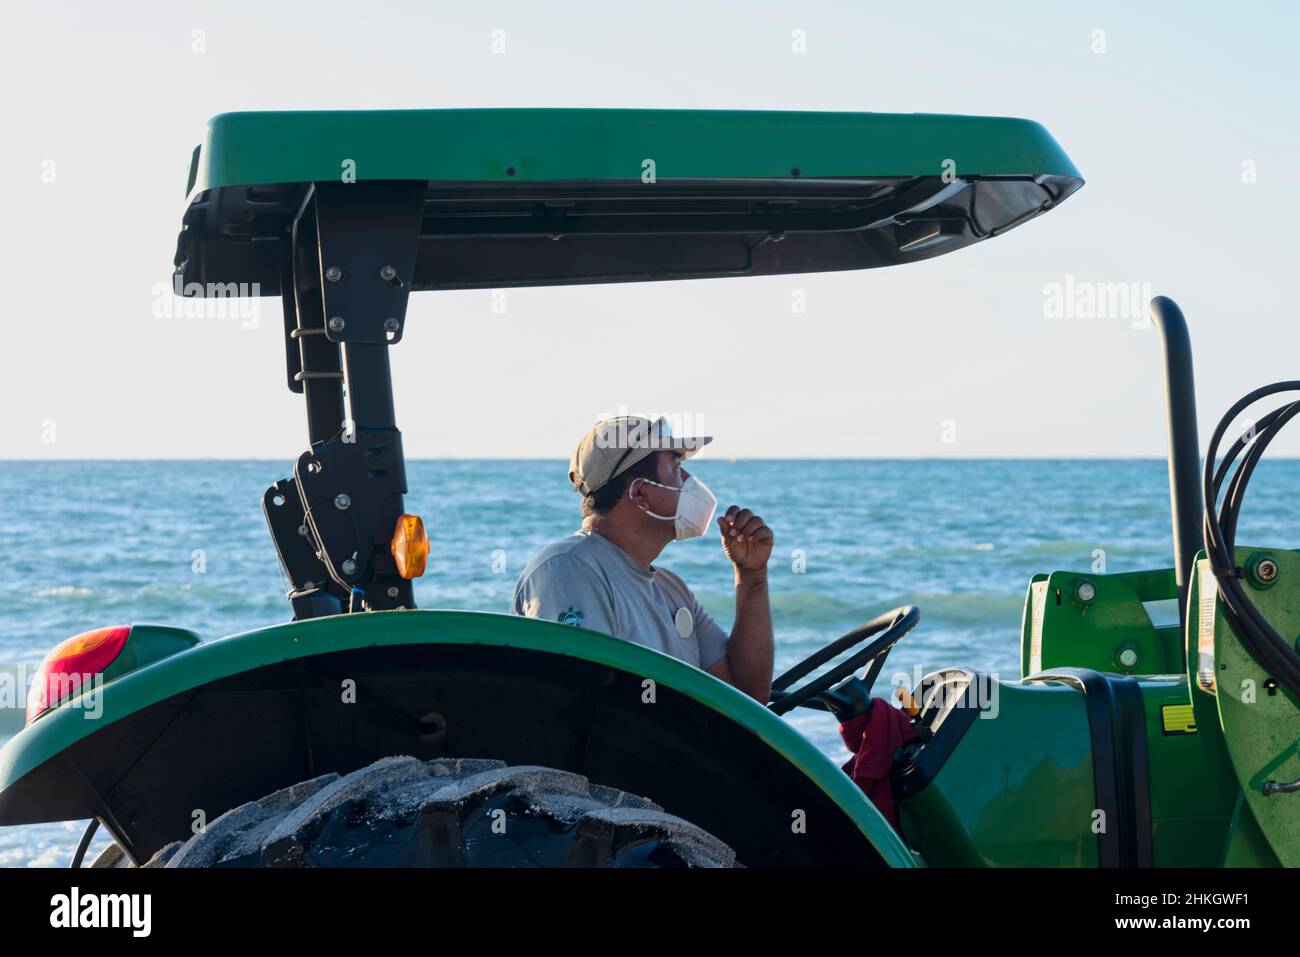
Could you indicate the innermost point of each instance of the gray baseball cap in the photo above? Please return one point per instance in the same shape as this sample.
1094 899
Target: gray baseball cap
615 445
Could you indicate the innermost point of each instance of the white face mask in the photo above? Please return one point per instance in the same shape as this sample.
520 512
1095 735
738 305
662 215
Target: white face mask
695 505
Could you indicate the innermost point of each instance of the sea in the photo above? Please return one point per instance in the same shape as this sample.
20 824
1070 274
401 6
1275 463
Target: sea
90 543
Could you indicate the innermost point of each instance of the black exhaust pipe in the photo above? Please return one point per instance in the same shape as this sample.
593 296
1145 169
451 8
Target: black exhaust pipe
1186 505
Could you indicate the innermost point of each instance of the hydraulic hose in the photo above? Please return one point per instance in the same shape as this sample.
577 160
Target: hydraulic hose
1274 653
84 844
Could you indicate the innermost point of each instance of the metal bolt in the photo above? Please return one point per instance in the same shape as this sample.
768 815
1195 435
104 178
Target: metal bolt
1128 657
1262 570
391 325
302 530
349 566
342 501
392 591
1086 591
334 274
387 273
336 323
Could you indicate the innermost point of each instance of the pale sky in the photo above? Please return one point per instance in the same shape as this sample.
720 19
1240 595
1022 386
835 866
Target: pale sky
1185 129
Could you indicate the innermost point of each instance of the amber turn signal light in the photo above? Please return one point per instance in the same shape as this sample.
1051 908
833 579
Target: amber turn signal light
410 546
909 703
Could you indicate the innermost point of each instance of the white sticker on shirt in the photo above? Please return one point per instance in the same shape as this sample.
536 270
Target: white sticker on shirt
684 621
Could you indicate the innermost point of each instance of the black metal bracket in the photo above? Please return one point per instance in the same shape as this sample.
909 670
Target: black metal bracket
347 274
368 236
352 492
311 592
1121 773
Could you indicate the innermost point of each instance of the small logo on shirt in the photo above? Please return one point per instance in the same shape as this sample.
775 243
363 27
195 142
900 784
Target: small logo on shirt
684 621
570 616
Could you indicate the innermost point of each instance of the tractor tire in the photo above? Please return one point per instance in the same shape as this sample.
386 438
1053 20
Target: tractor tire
463 812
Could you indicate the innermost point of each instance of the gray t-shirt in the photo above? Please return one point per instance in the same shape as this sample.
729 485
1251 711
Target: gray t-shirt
587 581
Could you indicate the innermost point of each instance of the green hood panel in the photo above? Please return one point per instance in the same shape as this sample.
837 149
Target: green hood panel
29 763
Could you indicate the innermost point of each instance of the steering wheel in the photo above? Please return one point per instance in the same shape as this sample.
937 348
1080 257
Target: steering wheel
886 629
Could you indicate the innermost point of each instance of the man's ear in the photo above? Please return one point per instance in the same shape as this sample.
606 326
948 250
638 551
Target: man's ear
635 491
638 495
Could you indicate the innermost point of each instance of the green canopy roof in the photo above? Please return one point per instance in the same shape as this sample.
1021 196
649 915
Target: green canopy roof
630 194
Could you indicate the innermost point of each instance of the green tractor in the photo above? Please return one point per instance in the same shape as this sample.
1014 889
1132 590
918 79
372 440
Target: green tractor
365 732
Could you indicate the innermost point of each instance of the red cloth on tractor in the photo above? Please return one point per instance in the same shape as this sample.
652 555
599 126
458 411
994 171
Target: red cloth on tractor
873 738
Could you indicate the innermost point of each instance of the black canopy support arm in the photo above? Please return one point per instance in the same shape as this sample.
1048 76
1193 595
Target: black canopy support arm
350 264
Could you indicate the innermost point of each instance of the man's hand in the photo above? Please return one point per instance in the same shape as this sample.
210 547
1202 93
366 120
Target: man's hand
745 539
748 661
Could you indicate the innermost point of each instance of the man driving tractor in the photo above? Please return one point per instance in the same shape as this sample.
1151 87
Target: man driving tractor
637 498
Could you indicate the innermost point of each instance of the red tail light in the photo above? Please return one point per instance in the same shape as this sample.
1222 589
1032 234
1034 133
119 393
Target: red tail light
71 667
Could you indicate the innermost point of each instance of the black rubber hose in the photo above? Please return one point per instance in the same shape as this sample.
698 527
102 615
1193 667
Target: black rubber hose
1261 640
1256 627
1255 631
84 845
1265 429
1232 508
1241 478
